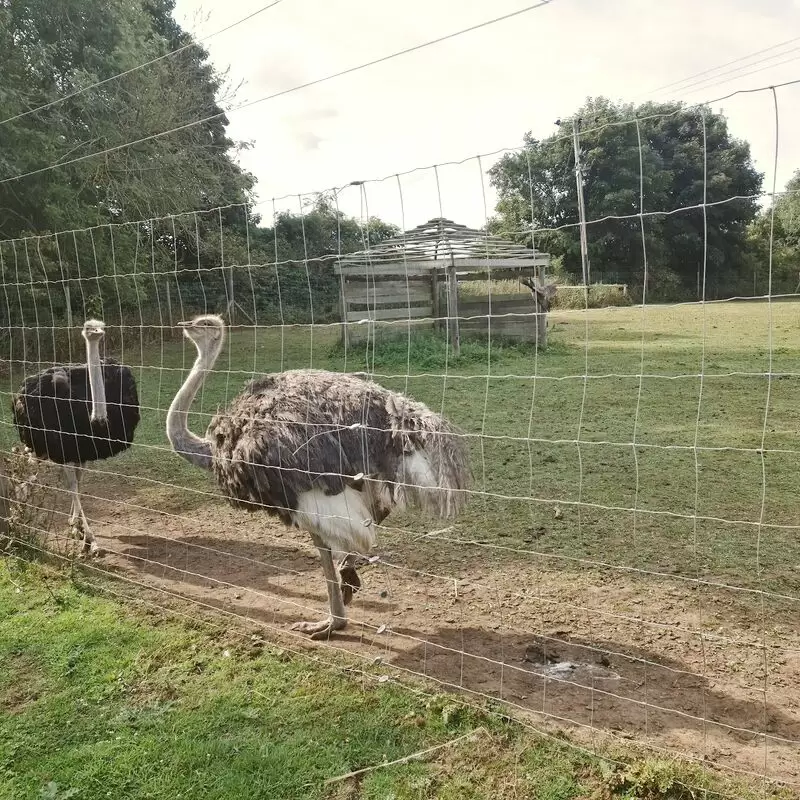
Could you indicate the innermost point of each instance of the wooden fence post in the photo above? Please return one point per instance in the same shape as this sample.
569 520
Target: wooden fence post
343 308
541 308
5 488
68 299
229 295
169 303
541 323
435 305
452 308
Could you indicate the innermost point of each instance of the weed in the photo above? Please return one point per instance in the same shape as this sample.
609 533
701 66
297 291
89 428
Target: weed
27 512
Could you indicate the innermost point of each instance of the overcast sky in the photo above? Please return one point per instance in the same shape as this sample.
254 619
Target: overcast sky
480 92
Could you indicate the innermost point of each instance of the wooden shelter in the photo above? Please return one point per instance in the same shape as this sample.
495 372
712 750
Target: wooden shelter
414 278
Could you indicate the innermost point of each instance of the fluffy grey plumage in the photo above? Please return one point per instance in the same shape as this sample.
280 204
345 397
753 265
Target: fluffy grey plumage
300 430
326 452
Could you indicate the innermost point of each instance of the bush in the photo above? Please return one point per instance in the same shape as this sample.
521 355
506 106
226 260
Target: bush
600 296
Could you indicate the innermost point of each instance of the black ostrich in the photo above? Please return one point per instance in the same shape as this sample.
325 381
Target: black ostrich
78 413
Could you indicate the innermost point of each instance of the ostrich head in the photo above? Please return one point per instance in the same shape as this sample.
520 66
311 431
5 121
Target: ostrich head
93 330
206 331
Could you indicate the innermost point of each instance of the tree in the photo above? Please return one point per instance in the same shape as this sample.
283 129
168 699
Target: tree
784 227
52 48
49 51
303 248
537 185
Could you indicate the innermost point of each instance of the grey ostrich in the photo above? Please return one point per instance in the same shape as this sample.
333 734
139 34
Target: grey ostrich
326 452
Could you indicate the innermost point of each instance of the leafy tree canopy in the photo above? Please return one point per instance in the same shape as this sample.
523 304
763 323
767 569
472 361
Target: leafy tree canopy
678 159
783 228
50 49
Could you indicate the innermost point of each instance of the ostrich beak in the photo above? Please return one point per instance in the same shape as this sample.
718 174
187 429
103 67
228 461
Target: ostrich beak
184 324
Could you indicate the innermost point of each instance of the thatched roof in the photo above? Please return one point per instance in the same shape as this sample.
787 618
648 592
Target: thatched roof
440 243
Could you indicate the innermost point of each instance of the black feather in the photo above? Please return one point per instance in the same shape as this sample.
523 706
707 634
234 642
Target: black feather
52 413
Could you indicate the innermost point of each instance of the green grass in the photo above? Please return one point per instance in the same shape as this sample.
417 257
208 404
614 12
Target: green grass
101 699
524 411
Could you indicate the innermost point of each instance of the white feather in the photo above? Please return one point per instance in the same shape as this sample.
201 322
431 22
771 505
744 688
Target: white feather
342 521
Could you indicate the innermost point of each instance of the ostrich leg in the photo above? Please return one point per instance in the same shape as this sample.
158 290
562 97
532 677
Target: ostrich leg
350 582
71 480
338 617
77 519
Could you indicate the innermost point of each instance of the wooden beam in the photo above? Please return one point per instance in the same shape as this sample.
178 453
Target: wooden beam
343 311
370 271
381 301
391 280
378 266
380 293
389 314
437 309
452 308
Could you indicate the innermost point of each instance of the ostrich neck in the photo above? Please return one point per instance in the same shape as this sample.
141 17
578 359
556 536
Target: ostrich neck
193 448
97 385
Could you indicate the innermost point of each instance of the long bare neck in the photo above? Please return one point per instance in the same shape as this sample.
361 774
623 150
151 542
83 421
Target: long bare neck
97 385
194 449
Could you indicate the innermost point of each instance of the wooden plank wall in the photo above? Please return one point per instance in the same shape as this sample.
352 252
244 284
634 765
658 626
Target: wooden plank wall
512 317
386 298
416 297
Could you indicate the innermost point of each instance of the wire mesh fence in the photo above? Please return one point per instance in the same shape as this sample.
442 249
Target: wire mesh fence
625 567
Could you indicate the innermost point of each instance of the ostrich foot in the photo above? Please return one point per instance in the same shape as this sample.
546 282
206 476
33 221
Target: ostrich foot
350 583
322 629
89 546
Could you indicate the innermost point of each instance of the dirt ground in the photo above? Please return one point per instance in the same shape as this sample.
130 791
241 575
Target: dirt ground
686 669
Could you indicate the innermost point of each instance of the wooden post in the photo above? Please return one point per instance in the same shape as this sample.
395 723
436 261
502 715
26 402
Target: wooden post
343 309
541 304
68 300
5 488
169 304
435 305
541 323
452 308
541 312
229 292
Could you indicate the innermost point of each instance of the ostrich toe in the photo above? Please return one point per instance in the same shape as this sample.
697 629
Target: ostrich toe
91 547
79 529
322 629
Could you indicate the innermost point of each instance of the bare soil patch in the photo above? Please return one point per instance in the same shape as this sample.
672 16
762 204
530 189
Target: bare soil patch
704 672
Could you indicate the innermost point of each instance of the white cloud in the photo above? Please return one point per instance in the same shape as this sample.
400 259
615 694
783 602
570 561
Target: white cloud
479 92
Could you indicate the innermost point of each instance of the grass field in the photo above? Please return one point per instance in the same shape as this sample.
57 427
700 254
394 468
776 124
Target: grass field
708 494
524 413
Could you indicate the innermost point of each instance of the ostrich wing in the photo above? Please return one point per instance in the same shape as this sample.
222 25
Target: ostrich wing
302 430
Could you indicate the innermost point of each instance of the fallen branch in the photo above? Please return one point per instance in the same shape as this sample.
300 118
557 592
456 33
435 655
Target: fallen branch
406 759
